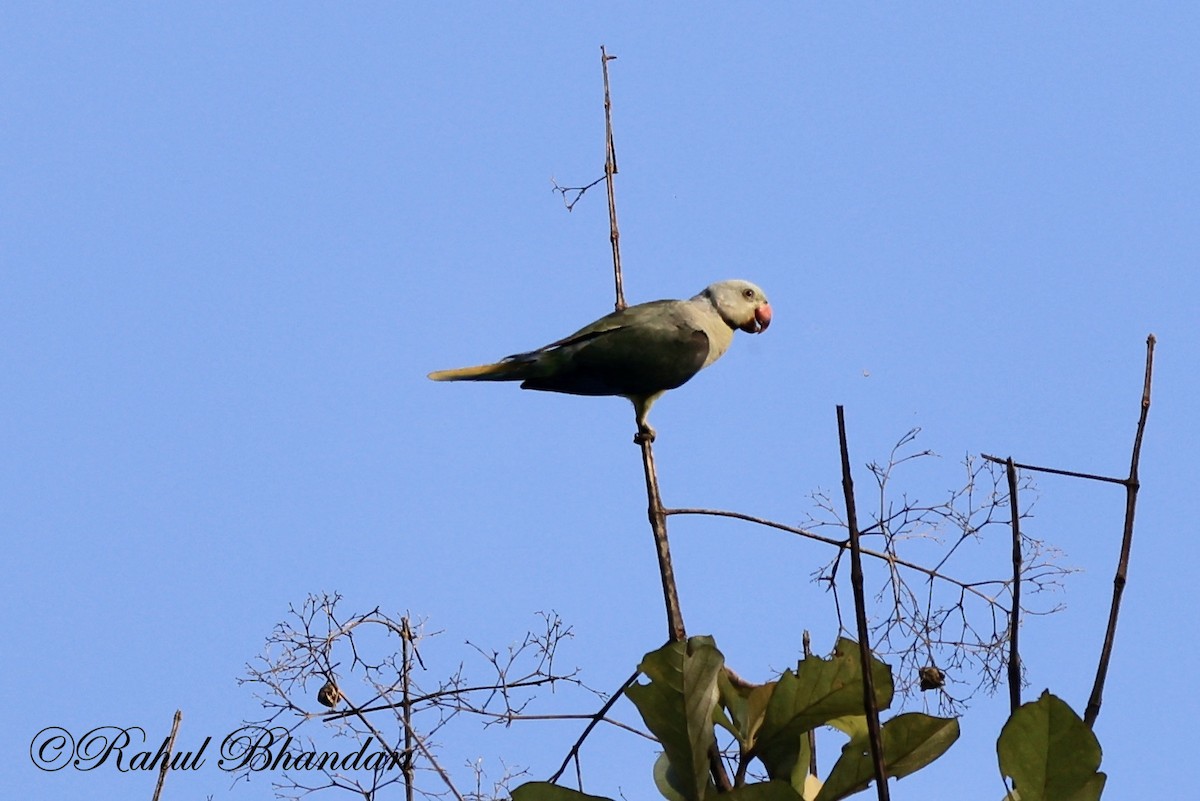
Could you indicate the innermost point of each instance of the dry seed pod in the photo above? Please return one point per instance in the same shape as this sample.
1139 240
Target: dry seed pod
329 695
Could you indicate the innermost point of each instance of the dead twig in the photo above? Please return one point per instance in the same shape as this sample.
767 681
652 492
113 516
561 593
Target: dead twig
1055 471
610 170
162 769
967 587
1131 490
579 191
1014 654
595 721
860 614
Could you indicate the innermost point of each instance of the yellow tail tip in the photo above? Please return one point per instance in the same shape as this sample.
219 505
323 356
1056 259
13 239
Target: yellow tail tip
483 371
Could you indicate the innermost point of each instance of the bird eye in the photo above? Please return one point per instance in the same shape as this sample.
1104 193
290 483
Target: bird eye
748 294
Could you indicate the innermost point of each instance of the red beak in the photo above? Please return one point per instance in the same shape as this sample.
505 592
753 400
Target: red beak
762 319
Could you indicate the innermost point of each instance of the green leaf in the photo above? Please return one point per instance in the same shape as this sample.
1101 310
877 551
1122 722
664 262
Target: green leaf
747 707
819 691
545 791
853 726
666 779
762 791
677 706
1049 753
910 742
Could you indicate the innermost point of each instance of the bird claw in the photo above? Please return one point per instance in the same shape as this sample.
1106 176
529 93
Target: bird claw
645 434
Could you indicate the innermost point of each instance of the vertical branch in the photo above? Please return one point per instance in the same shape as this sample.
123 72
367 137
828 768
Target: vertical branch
1131 491
860 614
658 525
1014 654
162 769
610 169
658 517
406 706
812 733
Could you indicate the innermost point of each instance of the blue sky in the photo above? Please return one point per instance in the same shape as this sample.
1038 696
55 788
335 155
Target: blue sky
235 238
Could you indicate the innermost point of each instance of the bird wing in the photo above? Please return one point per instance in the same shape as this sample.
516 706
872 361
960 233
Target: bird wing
637 351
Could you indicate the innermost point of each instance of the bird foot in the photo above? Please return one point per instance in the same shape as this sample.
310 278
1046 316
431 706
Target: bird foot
645 434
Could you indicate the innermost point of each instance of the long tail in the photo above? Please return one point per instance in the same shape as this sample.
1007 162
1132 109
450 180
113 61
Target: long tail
506 370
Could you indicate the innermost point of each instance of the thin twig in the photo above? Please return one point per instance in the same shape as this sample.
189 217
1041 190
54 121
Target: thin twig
162 769
1131 490
812 733
860 614
971 587
420 743
595 721
511 717
579 191
406 663
1055 470
610 169
450 692
1014 654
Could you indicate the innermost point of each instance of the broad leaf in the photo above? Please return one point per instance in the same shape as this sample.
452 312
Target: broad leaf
819 691
762 791
677 706
746 705
545 791
1049 753
910 742
853 726
666 779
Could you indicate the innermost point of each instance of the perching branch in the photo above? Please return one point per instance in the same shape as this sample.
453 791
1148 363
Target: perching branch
658 518
658 526
676 632
860 614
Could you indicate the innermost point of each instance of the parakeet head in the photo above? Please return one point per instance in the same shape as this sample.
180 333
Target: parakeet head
741 304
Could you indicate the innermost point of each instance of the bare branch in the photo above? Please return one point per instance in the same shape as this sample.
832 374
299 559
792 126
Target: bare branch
578 191
162 770
610 170
1014 627
1056 471
573 754
1131 490
860 617
658 527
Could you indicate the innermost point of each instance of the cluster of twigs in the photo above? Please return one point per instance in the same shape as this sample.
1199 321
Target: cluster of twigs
935 618
372 676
